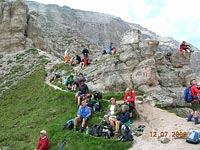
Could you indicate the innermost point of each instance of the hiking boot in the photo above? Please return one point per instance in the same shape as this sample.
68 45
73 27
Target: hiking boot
81 130
188 120
197 123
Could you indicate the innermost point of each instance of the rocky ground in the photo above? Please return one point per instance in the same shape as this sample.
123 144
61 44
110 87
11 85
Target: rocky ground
158 121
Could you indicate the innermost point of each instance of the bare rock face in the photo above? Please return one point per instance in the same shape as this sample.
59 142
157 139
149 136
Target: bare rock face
139 65
13 22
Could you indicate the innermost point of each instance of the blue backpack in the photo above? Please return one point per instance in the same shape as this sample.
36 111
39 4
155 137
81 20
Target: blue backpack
193 137
187 95
69 124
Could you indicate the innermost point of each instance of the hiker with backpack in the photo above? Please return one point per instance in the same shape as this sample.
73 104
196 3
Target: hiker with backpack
129 100
113 111
185 48
83 89
43 141
123 118
83 115
195 102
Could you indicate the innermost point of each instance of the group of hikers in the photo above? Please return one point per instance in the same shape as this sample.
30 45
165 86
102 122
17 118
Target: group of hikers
110 50
117 115
75 60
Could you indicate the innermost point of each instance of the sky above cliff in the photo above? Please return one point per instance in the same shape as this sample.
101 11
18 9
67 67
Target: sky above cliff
179 19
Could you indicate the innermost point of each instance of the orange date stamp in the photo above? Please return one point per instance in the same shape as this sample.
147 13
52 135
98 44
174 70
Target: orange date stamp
174 134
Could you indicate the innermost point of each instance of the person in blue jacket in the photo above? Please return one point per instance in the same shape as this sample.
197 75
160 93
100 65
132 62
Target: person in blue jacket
83 114
110 48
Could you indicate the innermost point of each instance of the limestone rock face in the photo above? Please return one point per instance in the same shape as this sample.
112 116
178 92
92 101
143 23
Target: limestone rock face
13 22
140 65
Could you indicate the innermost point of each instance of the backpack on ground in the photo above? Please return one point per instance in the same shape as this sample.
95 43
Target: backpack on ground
97 106
126 133
187 95
193 137
107 132
97 95
96 130
69 125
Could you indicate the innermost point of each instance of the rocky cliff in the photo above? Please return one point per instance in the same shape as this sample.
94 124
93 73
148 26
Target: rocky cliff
140 65
142 62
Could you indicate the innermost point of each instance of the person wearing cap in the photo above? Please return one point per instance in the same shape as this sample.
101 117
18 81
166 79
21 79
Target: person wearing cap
129 99
113 111
83 89
83 114
123 118
195 102
43 141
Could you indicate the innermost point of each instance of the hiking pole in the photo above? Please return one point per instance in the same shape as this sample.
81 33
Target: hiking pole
61 145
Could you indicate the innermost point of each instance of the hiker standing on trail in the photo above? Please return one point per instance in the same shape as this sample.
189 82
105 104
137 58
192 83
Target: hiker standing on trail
195 102
185 48
43 141
66 56
129 99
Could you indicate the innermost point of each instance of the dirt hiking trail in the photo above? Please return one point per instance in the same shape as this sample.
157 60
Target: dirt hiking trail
160 122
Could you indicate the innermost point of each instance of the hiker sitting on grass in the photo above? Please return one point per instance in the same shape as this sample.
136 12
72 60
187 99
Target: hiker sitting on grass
55 74
69 81
123 118
83 115
129 99
113 110
43 141
83 89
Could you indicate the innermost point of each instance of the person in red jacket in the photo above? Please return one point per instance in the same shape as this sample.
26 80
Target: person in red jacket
195 102
185 48
43 141
129 99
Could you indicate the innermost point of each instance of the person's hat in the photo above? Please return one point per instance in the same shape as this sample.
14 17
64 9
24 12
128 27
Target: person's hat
43 132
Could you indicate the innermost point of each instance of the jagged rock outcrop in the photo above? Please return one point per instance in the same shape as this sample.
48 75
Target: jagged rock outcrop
13 22
139 65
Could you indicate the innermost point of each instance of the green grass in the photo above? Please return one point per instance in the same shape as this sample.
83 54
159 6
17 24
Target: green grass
31 105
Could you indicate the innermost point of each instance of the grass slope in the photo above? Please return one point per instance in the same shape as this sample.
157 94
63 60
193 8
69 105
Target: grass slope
31 105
